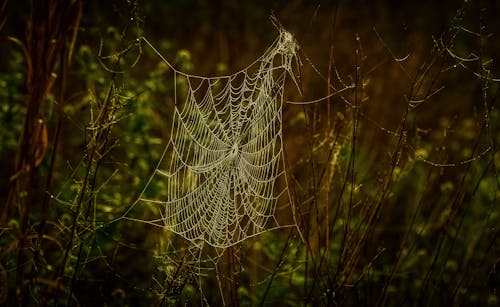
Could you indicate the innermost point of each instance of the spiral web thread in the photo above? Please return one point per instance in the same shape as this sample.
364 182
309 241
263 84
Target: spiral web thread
223 166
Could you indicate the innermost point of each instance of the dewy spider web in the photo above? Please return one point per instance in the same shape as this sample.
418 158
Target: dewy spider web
224 164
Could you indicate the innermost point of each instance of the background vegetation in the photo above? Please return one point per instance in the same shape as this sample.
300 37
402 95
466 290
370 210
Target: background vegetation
396 181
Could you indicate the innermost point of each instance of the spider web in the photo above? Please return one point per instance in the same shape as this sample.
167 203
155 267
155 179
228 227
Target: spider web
223 167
